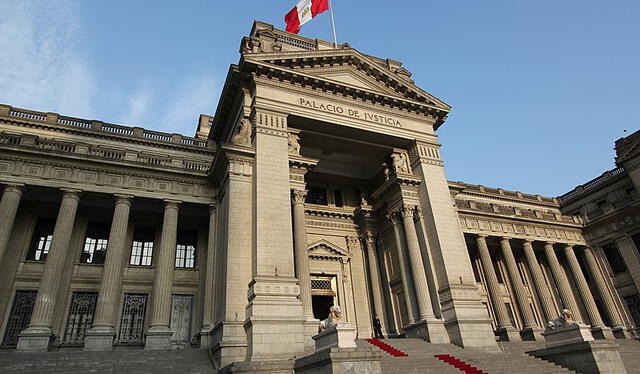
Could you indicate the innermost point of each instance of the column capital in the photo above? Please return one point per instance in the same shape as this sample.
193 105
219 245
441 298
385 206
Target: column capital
171 204
123 199
394 217
549 244
568 247
506 239
352 241
369 236
14 187
484 236
527 241
70 193
417 213
407 210
212 208
298 196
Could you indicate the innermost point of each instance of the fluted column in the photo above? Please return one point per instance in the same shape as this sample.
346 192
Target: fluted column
603 290
583 288
499 308
300 251
417 267
404 267
376 290
103 331
159 334
209 278
544 295
561 280
8 208
36 336
528 320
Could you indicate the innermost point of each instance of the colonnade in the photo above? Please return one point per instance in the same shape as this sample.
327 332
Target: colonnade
37 337
567 300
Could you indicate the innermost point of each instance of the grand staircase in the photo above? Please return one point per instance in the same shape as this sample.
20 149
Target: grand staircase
421 359
138 361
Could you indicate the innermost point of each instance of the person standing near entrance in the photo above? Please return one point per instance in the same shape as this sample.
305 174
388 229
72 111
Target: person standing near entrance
377 327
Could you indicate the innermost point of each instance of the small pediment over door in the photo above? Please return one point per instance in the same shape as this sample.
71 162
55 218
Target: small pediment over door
325 250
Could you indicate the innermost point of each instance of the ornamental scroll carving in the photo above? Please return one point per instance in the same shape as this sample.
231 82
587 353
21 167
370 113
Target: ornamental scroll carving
400 163
243 137
298 196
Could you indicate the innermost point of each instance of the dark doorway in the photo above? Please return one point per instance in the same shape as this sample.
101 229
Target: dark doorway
321 305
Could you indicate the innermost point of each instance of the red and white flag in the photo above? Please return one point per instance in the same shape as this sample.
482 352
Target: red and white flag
303 13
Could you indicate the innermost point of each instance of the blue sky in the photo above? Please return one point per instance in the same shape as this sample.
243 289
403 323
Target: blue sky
540 89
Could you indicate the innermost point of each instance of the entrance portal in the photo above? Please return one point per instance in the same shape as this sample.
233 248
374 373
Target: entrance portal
321 305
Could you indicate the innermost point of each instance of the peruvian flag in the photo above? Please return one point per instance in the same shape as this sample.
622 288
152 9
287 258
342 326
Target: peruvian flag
303 13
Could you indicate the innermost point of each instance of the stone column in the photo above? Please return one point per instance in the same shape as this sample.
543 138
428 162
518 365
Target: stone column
159 334
544 295
407 283
209 280
530 327
561 281
605 295
600 331
39 333
360 288
101 335
427 326
504 329
8 208
300 251
376 282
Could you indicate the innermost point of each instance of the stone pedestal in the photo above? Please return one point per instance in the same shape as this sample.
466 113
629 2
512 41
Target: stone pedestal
587 357
310 330
508 334
531 333
35 339
574 333
602 333
99 338
342 335
432 331
340 361
158 338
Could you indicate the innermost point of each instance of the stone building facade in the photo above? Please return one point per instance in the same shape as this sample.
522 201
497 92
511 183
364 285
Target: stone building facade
317 182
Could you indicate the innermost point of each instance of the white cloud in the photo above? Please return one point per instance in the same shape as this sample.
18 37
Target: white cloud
196 94
139 108
40 65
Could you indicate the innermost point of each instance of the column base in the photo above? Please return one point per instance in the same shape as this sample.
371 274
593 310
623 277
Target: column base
310 329
508 334
158 337
431 330
99 338
619 332
206 338
35 339
602 333
531 334
340 360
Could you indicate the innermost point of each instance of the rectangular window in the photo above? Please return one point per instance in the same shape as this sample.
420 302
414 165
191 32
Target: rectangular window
95 244
337 197
142 248
41 240
186 249
614 258
83 306
496 268
317 195
19 317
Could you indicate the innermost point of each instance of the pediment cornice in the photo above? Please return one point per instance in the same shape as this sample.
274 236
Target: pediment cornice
324 249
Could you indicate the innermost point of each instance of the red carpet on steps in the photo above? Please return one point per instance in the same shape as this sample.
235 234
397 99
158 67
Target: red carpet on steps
387 348
459 364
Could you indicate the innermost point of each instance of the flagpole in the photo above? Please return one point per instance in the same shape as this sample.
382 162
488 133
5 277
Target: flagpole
333 26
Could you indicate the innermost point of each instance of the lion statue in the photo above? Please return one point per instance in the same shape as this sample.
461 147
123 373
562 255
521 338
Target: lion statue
566 318
335 317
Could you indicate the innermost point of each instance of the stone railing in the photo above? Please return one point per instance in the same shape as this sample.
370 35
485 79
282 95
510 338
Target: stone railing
54 118
590 185
102 152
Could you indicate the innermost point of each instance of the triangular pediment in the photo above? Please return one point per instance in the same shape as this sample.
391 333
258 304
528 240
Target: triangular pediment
325 249
350 68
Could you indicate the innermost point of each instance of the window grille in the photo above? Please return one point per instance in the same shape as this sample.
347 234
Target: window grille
132 321
19 317
321 284
181 319
83 305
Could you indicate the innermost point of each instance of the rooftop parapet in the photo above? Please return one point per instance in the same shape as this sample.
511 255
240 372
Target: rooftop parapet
601 180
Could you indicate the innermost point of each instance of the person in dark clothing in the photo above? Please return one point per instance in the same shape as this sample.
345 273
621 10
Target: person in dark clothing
377 327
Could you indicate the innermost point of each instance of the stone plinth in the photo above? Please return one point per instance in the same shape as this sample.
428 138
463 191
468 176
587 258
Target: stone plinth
99 339
432 331
340 360
35 339
158 338
508 334
342 335
263 367
574 333
587 357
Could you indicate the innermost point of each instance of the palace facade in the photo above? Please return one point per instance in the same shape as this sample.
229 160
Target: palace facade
317 182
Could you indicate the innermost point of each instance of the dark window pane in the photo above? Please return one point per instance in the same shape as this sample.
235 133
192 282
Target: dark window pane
142 248
41 240
613 256
95 244
316 195
337 195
